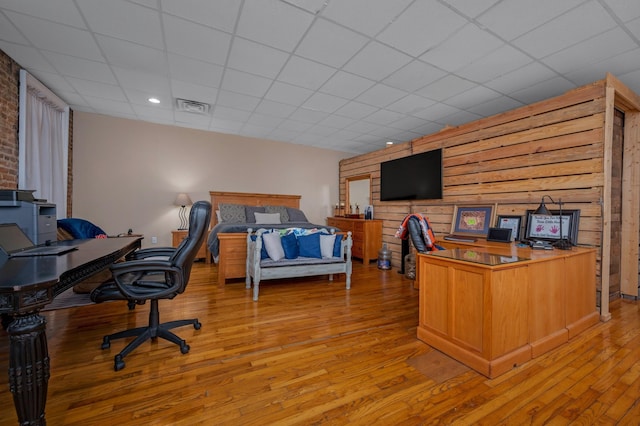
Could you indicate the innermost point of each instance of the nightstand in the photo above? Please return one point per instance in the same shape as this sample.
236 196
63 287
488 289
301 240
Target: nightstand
180 234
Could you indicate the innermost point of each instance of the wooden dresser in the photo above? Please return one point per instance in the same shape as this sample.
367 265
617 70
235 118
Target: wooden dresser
366 234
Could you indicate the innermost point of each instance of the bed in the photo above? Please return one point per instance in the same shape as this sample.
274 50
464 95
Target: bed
227 240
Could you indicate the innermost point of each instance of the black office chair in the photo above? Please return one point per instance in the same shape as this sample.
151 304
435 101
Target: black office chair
139 280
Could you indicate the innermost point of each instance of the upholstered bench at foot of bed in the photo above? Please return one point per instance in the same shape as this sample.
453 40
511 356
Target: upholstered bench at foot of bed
266 268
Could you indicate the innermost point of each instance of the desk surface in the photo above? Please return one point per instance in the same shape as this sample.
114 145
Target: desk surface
39 279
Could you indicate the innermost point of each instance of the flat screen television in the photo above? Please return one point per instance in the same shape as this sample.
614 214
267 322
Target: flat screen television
416 177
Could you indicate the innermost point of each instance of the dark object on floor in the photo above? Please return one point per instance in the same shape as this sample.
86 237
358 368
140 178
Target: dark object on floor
137 281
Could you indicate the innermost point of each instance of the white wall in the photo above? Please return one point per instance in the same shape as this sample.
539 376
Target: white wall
126 173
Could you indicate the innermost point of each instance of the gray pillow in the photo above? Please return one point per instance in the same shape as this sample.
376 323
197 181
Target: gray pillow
284 215
233 213
249 212
296 215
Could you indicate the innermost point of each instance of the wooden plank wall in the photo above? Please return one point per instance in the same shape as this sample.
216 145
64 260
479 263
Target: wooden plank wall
553 147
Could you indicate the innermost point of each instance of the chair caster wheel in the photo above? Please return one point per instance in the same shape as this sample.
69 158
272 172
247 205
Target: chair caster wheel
106 344
197 325
184 348
118 363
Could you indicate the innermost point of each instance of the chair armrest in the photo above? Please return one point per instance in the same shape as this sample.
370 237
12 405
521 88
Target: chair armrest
152 252
130 276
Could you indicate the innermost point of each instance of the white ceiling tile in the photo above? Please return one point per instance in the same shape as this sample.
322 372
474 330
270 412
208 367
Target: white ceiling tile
193 92
28 57
196 41
495 106
151 113
308 116
256 58
595 49
273 22
221 14
542 90
61 11
421 26
188 119
97 89
533 72
428 128
57 37
511 19
81 68
197 72
322 130
284 135
474 96
233 114
275 109
413 76
9 33
384 117
109 106
133 56
438 111
494 64
330 44
313 6
288 94
459 118
337 121
471 8
143 81
410 104
462 48
376 61
366 16
346 85
322 102
305 73
446 87
363 127
585 21
356 110
259 119
123 20
625 10
408 123
632 79
225 125
294 126
55 82
381 95
237 100
141 98
618 65
248 84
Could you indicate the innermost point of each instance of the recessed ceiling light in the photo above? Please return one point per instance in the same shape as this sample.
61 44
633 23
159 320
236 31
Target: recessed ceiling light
389 143
154 100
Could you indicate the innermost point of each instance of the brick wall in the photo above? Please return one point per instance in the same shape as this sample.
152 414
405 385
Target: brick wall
9 95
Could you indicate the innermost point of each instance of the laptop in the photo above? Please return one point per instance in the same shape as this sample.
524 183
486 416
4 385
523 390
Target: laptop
16 243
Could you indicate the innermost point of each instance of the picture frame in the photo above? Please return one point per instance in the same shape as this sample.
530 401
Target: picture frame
512 222
547 228
472 220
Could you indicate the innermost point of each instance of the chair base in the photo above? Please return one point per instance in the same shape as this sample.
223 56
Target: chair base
152 331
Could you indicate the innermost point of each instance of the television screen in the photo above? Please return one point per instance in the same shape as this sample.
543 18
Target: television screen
416 177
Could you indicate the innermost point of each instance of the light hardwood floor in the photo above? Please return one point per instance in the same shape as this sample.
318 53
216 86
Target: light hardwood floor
309 352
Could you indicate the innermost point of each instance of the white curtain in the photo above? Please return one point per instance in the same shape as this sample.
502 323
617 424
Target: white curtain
43 143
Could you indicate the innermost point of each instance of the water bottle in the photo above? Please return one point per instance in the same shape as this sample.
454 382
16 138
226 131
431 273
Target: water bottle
384 257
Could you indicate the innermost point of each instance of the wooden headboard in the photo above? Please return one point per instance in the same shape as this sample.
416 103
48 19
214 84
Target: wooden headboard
250 199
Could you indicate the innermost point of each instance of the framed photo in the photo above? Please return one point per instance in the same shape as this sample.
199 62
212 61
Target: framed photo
472 220
547 228
512 222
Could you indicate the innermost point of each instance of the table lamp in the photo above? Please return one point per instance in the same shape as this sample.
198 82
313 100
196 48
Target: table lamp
562 243
183 201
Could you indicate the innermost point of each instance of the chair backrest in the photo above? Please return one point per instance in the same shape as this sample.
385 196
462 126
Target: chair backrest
186 252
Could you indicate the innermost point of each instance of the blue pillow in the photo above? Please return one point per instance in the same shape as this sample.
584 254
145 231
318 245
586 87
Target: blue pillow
309 245
290 246
80 228
263 251
336 245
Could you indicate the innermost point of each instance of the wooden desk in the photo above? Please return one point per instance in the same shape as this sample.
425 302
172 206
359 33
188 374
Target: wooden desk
26 285
495 306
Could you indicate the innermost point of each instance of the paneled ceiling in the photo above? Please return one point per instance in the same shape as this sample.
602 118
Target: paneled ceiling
346 75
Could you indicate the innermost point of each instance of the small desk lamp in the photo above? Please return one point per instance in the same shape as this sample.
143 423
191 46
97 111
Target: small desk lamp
183 201
562 243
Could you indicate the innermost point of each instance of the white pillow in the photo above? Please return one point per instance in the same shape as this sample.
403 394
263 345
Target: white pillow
218 217
267 218
273 245
326 245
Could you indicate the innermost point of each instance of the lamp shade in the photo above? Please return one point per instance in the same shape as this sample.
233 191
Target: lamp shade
542 209
183 200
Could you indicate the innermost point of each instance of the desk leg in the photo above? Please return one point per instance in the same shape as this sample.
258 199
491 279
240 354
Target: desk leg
28 367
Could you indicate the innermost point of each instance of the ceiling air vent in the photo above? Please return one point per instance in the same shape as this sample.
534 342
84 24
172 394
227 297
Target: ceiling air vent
194 107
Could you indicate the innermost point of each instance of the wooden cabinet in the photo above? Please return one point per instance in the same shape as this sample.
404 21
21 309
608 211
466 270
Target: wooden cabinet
500 312
366 235
180 234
